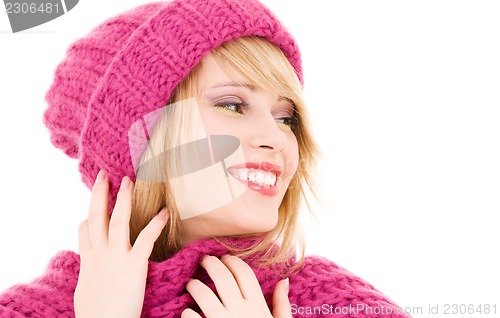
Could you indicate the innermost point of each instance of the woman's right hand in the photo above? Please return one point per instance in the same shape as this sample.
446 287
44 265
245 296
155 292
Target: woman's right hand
238 292
113 274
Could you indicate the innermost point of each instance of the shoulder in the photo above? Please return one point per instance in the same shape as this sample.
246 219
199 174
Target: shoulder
50 295
322 287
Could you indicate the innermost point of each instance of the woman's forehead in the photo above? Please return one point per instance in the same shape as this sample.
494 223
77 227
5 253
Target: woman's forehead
218 74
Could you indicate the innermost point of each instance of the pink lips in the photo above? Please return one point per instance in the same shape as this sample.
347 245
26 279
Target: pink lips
266 166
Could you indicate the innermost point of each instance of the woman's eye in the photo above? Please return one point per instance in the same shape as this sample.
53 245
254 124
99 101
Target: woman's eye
232 107
289 122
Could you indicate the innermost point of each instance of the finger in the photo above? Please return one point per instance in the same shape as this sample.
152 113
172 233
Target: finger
281 303
205 298
119 225
84 244
245 278
189 313
224 281
98 220
144 243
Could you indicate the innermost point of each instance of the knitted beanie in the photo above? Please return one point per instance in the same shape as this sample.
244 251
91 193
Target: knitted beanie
130 65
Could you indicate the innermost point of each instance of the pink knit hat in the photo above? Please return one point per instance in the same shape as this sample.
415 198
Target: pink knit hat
129 66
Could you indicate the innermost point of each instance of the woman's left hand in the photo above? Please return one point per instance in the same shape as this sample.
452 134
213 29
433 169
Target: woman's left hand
239 292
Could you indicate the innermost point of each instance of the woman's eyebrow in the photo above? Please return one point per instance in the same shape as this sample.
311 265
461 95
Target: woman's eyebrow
250 87
286 99
234 84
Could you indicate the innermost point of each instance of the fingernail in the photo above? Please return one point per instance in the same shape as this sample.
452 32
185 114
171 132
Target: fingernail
162 213
287 285
100 176
125 183
224 256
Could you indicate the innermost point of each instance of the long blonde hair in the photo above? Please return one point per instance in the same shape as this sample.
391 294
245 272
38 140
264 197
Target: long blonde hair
276 74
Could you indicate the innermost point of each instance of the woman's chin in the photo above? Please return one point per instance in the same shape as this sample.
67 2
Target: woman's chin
259 224
223 222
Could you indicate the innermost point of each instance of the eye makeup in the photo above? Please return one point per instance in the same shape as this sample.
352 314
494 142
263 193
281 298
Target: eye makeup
239 108
236 101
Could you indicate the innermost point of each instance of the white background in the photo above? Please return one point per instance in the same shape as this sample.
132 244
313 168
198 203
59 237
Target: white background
405 99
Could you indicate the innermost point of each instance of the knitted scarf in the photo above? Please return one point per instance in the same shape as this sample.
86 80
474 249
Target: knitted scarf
319 288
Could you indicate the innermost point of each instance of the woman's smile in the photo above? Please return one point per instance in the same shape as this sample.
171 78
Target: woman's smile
260 177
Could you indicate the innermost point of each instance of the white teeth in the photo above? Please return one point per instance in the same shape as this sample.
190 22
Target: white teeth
260 177
265 178
269 178
243 174
251 175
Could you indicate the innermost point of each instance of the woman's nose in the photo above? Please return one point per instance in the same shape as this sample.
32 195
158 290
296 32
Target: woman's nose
264 132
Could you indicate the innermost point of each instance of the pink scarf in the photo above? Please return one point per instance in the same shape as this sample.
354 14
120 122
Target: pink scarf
319 289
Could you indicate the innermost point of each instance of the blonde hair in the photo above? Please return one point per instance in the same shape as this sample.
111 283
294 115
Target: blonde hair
276 74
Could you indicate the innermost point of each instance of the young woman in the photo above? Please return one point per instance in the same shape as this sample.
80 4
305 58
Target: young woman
190 128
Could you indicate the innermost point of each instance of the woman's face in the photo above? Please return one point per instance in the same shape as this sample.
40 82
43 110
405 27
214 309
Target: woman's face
259 173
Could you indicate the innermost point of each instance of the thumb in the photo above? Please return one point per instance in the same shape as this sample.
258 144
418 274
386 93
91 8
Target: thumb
281 304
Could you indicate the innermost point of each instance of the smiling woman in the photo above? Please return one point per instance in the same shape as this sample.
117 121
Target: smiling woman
403 97
193 136
269 135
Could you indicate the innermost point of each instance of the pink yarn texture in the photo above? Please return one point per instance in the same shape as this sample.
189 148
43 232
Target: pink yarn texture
320 283
130 65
